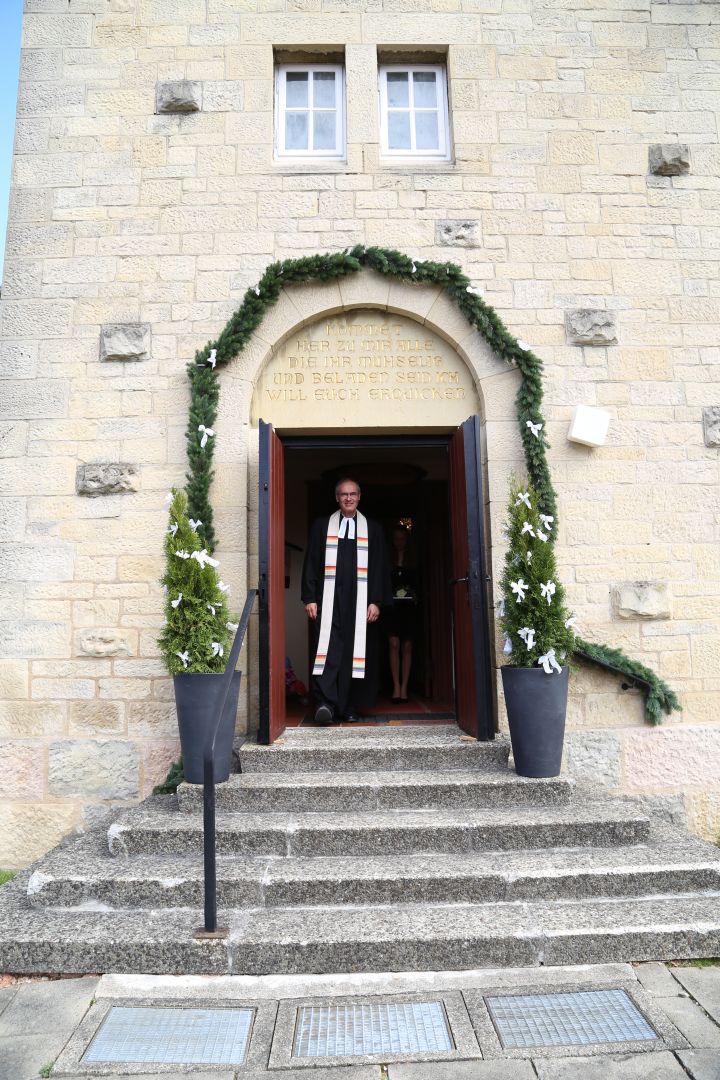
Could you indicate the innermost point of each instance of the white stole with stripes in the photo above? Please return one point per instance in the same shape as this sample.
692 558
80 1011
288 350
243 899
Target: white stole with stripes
328 600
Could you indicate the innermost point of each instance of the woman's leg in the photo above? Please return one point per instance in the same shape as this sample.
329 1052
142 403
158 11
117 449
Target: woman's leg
406 665
394 643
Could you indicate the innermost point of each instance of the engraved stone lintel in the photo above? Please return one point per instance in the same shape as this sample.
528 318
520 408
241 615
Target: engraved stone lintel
457 233
590 326
669 159
711 425
125 341
105 478
178 96
641 600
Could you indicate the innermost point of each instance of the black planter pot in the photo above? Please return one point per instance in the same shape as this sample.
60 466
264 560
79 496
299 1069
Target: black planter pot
196 701
536 707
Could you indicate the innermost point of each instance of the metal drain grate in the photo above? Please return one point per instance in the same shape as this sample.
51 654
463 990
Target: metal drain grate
379 1028
595 1016
173 1036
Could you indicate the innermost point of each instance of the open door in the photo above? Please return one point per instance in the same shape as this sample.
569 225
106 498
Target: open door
271 535
473 674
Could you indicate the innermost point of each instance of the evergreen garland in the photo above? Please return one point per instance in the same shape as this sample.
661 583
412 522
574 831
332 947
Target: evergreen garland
659 698
204 387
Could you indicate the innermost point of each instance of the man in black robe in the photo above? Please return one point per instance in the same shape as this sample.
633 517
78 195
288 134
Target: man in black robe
337 695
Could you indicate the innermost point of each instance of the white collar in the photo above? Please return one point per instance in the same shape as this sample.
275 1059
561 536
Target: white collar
347 525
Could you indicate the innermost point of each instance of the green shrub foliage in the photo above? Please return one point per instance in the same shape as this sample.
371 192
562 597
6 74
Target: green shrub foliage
197 631
535 619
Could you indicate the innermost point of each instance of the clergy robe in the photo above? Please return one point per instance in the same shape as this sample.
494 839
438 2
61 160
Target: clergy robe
336 687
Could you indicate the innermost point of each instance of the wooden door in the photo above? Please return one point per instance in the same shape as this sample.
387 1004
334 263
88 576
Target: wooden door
473 673
271 586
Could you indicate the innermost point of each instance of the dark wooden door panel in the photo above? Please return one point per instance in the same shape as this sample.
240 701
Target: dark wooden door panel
271 536
473 690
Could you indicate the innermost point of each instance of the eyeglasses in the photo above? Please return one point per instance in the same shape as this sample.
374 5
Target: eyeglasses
348 494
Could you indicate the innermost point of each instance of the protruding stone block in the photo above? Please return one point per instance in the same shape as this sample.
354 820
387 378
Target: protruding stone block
669 159
711 425
641 600
179 96
590 326
94 641
125 341
457 233
107 769
105 478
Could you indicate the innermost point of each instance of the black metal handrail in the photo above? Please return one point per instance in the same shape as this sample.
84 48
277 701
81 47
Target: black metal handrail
209 838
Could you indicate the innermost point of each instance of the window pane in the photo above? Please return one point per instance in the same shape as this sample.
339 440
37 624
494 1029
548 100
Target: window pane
397 89
296 89
426 131
324 130
296 131
398 131
424 90
324 89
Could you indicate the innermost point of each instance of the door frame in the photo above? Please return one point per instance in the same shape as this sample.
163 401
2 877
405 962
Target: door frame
478 549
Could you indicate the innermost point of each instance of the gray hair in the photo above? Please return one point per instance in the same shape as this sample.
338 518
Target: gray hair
347 480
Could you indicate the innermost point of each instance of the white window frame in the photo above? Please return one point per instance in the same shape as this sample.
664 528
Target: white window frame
443 151
337 153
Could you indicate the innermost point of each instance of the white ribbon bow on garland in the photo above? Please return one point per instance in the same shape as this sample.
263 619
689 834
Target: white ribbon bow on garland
527 528
523 497
223 587
172 529
507 648
212 358
194 524
206 434
528 636
203 559
546 520
548 590
182 554
534 428
217 648
184 656
549 663
519 588
177 601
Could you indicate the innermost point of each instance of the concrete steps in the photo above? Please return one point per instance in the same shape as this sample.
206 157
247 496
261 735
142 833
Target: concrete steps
601 823
397 938
320 792
159 881
369 849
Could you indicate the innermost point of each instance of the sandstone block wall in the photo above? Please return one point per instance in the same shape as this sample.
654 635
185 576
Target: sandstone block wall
138 230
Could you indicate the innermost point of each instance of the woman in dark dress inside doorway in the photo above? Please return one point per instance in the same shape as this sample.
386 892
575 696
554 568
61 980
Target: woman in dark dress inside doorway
402 616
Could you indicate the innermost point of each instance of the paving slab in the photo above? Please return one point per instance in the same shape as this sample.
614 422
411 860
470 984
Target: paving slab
662 1066
701 1064
658 980
38 1022
692 1021
7 993
704 985
462 1070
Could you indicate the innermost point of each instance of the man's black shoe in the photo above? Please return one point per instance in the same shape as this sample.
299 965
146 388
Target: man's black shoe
323 715
352 718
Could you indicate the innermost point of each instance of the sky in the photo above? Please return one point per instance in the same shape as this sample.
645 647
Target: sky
10 22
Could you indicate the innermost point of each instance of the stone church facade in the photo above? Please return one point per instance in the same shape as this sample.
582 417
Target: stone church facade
564 153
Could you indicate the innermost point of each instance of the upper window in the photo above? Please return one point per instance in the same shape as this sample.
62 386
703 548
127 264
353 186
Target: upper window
413 111
309 111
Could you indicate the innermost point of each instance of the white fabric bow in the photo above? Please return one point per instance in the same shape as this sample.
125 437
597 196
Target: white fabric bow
232 626
184 656
507 648
212 358
571 623
474 290
194 524
501 607
527 528
541 535
413 269
548 590
223 587
528 636
534 428
173 528
528 557
547 520
203 559
217 648
519 588
549 663
178 600
523 497
182 554
211 607
207 432
257 290
523 345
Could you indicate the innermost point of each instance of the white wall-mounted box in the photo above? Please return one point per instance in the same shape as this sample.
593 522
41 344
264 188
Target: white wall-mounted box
589 426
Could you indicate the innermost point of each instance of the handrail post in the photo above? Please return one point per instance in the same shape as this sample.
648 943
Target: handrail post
210 929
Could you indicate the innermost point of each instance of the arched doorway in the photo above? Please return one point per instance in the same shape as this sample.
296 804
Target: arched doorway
368 388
